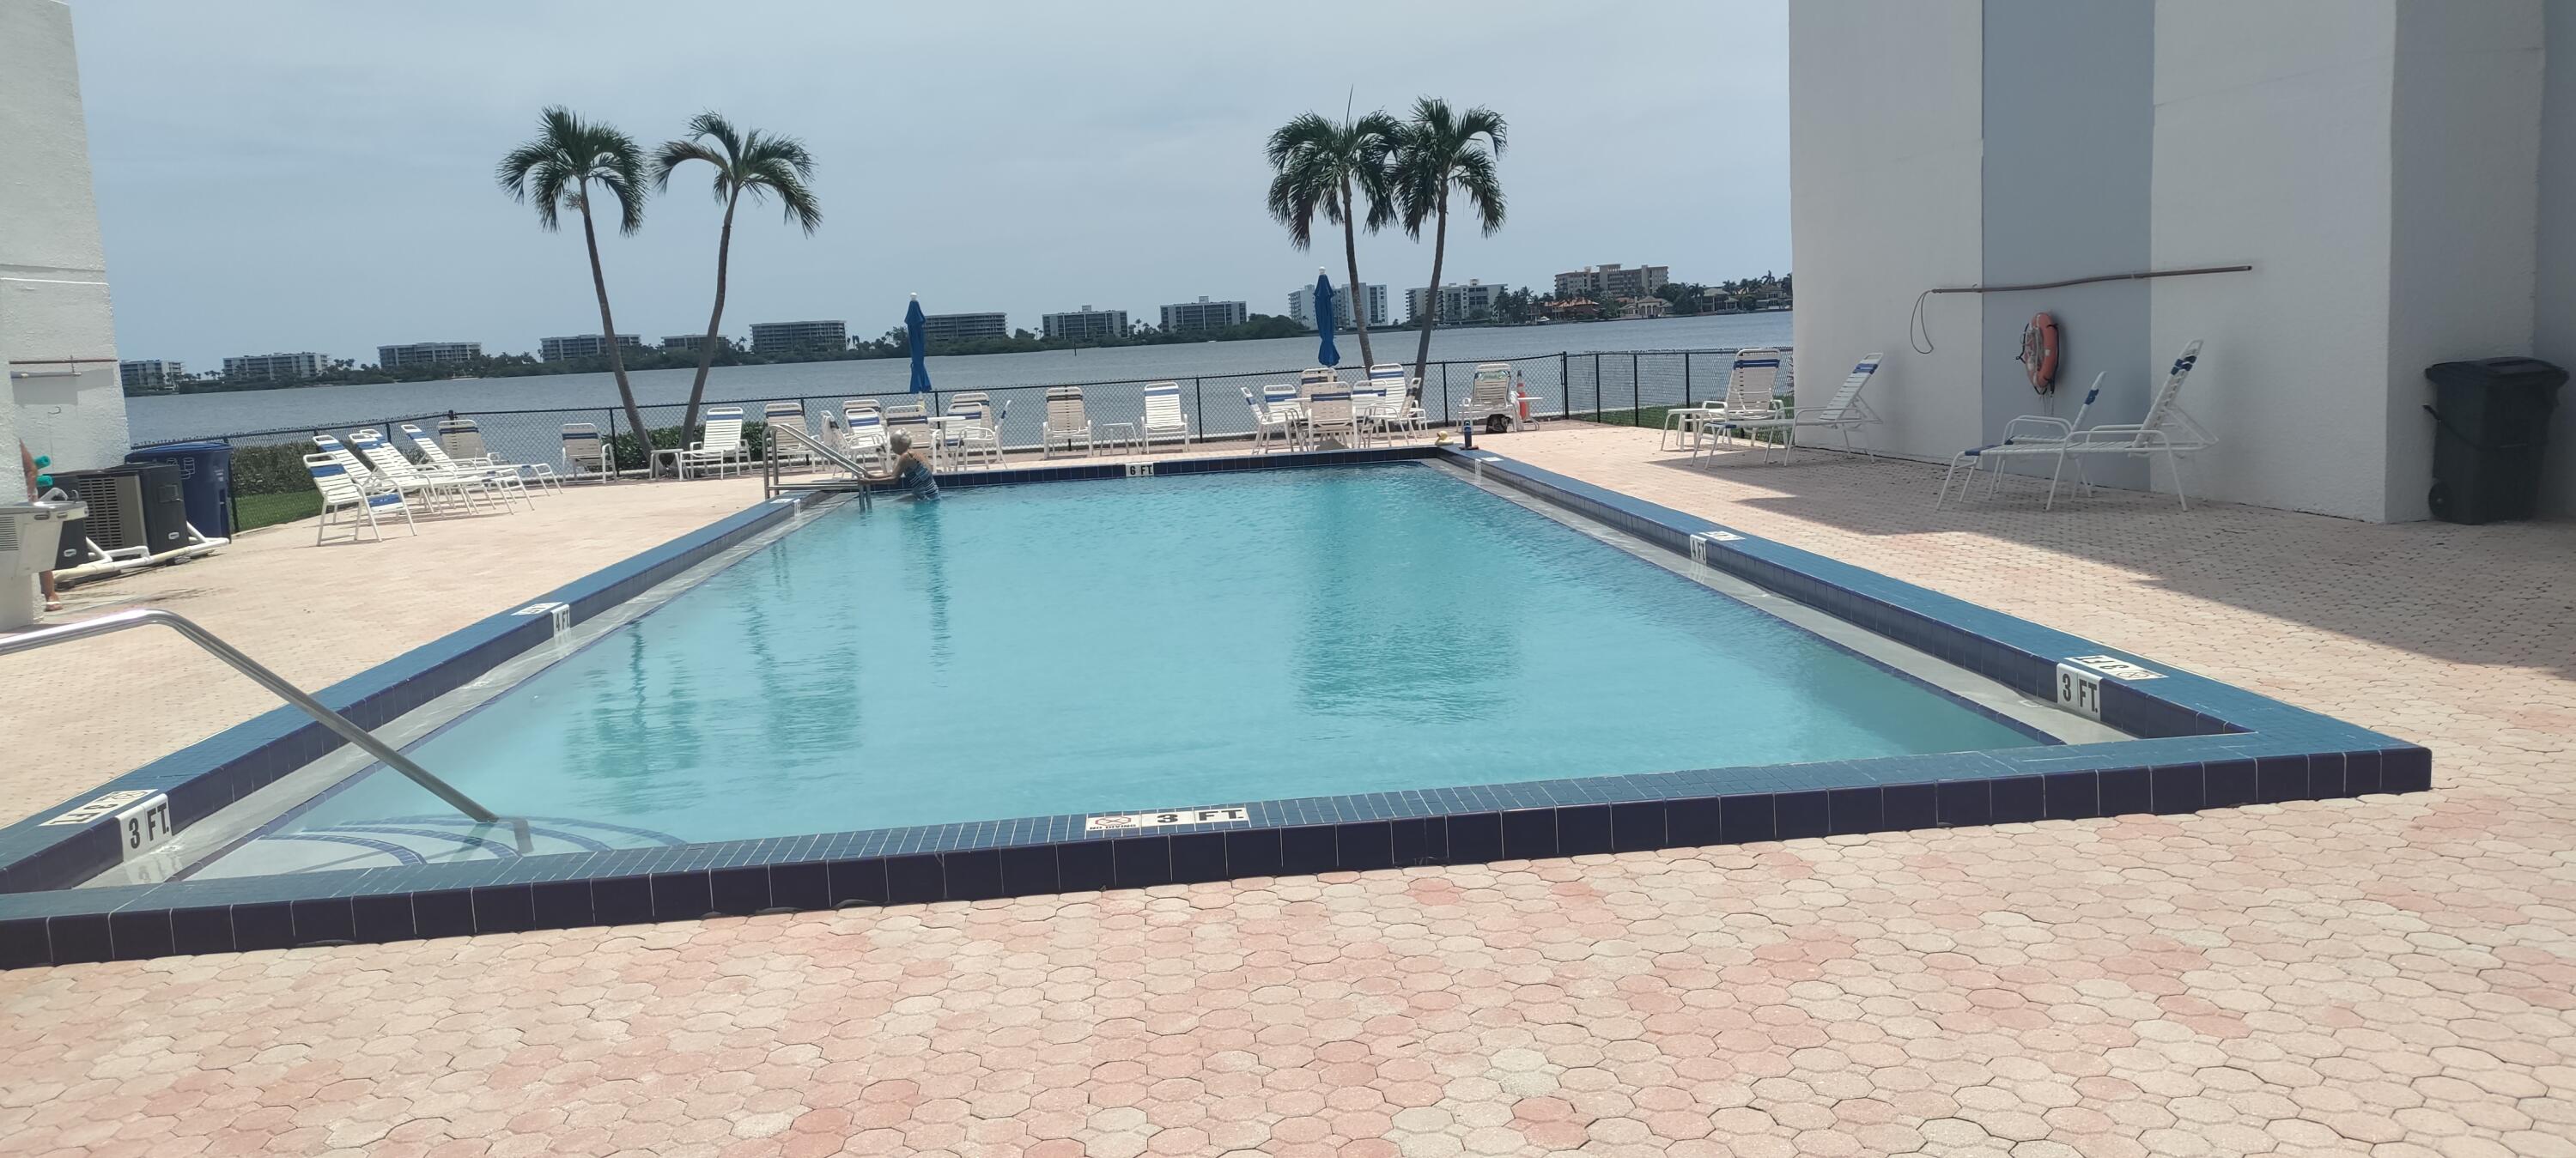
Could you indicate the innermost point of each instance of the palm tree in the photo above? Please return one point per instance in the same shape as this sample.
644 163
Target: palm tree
1326 167
745 163
557 169
1439 151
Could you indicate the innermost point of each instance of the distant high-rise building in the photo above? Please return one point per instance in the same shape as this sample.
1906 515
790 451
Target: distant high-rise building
687 342
1301 305
1203 316
1085 323
780 337
149 374
1612 281
427 354
949 329
566 349
1458 303
256 367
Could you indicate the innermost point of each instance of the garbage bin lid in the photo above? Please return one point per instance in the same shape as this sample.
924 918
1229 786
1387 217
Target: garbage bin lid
2507 369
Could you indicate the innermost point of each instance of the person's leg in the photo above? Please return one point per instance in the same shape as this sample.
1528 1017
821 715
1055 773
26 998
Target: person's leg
45 579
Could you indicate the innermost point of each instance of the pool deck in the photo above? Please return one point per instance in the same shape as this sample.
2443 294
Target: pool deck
2387 976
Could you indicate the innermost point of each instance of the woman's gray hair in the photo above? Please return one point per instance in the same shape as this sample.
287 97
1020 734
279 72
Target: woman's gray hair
900 441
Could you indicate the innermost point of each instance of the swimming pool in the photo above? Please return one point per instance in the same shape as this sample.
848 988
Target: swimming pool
1107 681
1207 640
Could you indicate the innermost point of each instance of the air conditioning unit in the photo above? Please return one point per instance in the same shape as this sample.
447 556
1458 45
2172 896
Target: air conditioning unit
135 505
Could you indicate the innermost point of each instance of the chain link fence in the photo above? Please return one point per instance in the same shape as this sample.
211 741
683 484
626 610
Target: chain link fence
1633 388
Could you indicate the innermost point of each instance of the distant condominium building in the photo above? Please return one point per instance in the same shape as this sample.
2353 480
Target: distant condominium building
687 342
1612 281
1301 305
254 367
570 347
782 337
950 329
428 354
1203 316
149 373
1085 323
1458 303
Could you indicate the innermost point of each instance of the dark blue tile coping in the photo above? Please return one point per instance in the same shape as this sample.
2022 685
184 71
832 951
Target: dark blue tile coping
2200 743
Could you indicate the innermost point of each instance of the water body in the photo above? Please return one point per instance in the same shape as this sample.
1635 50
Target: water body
162 418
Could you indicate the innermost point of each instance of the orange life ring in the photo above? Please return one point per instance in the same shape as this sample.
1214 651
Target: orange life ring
2039 347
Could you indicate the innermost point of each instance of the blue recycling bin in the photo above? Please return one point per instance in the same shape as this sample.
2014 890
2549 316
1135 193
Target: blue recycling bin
205 481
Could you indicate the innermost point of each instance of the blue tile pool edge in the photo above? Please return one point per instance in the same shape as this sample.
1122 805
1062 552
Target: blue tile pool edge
2203 744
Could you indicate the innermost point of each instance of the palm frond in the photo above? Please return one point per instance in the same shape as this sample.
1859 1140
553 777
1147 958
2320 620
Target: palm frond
1475 177
673 154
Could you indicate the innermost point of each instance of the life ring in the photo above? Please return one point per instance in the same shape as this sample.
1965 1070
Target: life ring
2039 348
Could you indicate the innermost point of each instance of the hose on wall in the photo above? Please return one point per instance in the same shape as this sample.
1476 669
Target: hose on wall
1918 331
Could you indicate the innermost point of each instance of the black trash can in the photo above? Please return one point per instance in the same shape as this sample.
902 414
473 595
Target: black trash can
205 481
2491 430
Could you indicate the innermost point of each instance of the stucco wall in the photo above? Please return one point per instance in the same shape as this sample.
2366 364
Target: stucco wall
53 273
2069 136
2464 205
1884 162
2554 297
2272 147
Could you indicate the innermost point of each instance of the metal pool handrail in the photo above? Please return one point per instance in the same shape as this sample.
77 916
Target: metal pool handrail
770 483
347 728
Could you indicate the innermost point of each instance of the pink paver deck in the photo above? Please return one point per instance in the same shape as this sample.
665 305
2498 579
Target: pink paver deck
2385 976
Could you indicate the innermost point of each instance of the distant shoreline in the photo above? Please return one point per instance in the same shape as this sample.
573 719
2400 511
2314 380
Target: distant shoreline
643 360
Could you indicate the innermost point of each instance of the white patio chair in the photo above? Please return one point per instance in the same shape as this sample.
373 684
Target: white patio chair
1842 414
585 453
2166 430
1491 397
1163 416
503 480
863 432
1328 414
1271 421
1752 395
1066 422
789 413
1314 377
721 449
343 493
972 429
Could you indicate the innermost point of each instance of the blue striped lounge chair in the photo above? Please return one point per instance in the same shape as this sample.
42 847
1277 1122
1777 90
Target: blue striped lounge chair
359 506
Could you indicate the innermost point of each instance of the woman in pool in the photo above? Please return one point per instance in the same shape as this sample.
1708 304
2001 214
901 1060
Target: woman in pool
911 469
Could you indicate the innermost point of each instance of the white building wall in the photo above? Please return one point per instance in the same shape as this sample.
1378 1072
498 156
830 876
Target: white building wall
1885 133
2272 147
2464 206
53 270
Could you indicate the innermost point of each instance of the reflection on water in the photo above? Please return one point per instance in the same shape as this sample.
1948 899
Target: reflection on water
1128 645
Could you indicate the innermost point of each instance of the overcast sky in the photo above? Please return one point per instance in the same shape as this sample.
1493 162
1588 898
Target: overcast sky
293 176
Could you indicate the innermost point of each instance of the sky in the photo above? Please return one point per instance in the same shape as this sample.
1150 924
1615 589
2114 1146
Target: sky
283 176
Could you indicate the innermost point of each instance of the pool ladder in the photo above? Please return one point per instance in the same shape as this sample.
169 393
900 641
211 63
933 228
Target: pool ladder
784 432
348 729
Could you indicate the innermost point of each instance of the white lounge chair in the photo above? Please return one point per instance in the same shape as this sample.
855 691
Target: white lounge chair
1391 406
435 488
1313 378
343 493
1752 395
973 429
585 453
460 444
2166 430
1328 414
1846 411
1163 417
356 468
786 413
1066 422
721 449
501 479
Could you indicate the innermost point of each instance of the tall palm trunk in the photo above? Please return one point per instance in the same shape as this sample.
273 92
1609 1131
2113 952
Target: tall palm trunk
1431 303
608 334
715 319
1351 288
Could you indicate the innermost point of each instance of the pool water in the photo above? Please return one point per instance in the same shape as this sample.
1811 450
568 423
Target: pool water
1139 645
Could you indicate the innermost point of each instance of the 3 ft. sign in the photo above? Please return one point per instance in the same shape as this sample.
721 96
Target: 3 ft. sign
2079 690
144 827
